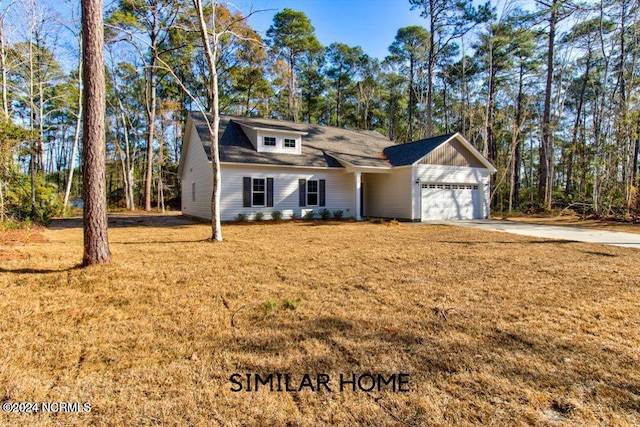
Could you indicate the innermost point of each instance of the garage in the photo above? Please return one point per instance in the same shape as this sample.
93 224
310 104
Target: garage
446 201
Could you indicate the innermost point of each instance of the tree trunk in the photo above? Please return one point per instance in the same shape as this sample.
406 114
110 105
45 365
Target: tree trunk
514 193
574 136
3 64
76 138
211 55
636 151
412 100
293 112
545 183
431 57
96 243
151 118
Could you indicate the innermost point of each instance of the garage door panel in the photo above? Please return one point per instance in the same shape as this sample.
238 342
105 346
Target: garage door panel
443 201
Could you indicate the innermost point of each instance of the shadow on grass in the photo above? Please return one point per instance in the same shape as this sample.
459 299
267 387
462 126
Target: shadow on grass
427 353
126 220
39 270
154 242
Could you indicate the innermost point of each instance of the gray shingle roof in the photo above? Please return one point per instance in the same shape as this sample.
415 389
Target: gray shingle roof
320 146
409 153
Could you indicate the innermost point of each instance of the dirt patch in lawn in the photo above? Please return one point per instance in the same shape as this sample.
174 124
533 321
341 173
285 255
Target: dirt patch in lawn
577 221
12 240
490 327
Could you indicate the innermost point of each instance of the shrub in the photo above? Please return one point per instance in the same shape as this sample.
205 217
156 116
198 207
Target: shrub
338 214
271 306
309 215
242 217
276 215
293 215
325 214
17 203
258 216
291 303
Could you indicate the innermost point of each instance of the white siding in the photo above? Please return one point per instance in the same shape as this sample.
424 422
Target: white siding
452 175
388 195
338 191
197 169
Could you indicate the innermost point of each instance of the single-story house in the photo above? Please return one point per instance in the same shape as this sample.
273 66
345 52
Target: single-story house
269 165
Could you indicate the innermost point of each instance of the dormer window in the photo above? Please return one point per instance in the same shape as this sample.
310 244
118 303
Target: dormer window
277 139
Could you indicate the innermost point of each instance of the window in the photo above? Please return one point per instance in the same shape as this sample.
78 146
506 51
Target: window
269 141
312 193
258 194
289 143
193 191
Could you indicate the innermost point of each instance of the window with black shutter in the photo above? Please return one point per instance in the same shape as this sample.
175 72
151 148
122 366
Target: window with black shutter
257 192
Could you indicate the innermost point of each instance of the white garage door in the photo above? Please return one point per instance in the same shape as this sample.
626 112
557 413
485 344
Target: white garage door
451 201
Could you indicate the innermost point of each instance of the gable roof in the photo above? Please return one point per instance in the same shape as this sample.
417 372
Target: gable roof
411 152
362 148
323 146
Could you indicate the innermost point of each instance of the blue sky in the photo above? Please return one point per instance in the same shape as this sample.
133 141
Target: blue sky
370 24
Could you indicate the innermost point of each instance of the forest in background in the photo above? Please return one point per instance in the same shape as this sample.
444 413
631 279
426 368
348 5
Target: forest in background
549 94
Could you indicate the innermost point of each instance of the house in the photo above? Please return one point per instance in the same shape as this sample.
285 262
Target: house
269 165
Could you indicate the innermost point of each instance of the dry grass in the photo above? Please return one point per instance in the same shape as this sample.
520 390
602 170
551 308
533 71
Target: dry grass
493 328
577 221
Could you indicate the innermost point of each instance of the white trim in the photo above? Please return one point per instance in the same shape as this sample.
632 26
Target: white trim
317 192
185 145
264 193
357 176
277 166
275 141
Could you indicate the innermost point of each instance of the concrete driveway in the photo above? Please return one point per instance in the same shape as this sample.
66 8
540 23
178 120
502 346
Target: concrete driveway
615 238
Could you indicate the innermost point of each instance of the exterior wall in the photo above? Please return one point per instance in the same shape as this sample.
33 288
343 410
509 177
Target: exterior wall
339 191
279 148
256 138
451 175
197 169
388 195
453 153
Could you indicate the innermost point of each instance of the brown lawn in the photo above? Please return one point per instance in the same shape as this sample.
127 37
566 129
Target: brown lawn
491 328
577 221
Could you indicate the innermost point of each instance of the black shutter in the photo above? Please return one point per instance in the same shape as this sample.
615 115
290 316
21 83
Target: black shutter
269 192
246 192
302 190
321 191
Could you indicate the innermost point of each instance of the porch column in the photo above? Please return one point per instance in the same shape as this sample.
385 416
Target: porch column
358 184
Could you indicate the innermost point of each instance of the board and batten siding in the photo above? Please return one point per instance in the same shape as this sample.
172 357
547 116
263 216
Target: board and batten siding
198 171
449 175
453 153
388 195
